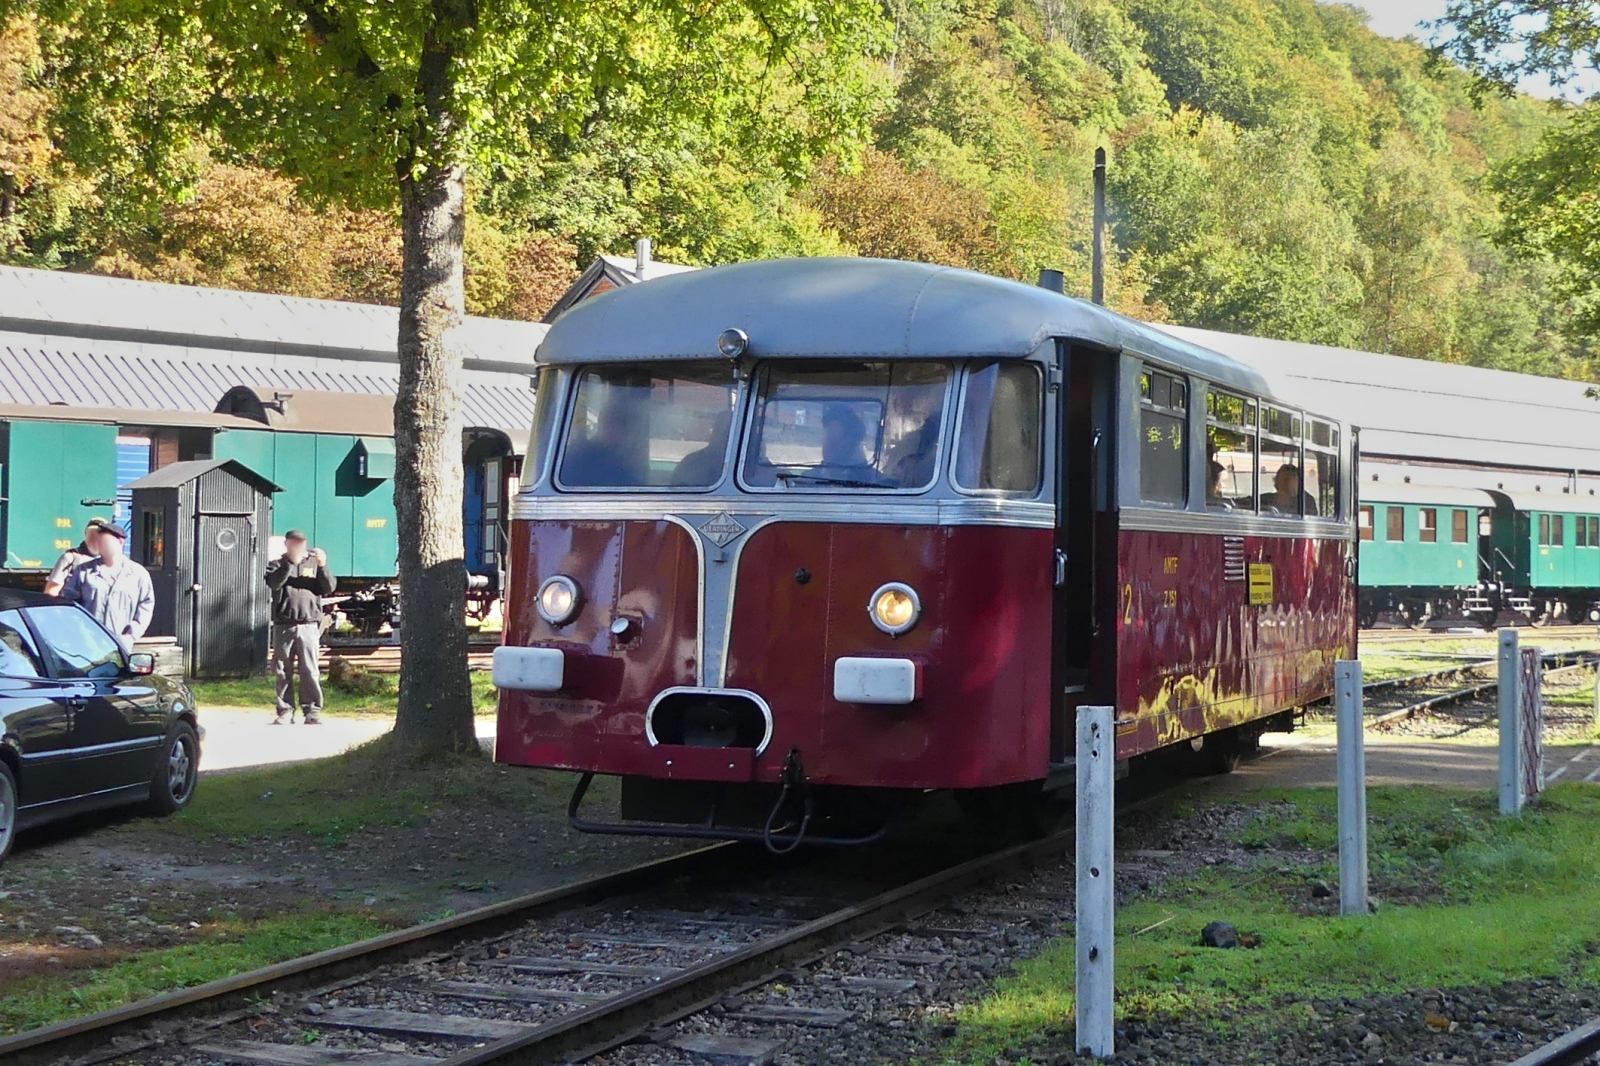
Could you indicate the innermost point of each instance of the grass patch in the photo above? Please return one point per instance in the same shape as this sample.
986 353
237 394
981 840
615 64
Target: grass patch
379 701
1382 666
226 949
373 786
1497 899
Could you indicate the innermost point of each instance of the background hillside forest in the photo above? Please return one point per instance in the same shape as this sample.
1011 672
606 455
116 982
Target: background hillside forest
1276 169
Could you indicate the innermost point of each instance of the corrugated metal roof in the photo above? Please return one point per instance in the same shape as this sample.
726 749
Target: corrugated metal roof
174 474
63 304
142 377
1421 410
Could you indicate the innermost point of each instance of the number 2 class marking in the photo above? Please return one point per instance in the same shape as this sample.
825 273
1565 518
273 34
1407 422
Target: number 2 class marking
1127 605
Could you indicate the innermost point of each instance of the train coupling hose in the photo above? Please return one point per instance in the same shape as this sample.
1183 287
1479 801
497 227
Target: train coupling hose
793 778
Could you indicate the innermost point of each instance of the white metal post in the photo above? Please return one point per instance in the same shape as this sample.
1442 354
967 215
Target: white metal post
1510 723
1352 787
1597 696
1096 919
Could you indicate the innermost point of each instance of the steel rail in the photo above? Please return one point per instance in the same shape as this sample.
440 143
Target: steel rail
591 1030
52 1043
1554 663
1577 1046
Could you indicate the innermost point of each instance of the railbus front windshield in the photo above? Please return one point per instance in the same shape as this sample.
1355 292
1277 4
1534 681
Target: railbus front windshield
852 425
662 427
807 426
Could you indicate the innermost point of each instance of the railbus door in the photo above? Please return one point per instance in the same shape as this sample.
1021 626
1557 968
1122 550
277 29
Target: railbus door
1085 645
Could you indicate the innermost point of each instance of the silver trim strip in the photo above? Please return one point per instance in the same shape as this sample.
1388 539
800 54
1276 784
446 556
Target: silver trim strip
1148 519
973 511
92 750
761 705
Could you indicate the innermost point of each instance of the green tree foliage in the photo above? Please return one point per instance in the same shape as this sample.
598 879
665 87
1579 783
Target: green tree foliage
1503 41
1276 166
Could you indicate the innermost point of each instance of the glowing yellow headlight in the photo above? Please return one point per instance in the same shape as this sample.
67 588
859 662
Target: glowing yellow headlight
895 608
558 600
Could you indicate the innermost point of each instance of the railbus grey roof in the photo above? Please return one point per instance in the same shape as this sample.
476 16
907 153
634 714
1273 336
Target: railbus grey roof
854 308
1416 409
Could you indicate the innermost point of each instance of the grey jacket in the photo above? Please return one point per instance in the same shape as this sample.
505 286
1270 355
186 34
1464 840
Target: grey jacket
122 602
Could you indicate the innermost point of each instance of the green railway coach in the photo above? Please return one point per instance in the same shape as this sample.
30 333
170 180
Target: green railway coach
1547 547
56 476
1421 551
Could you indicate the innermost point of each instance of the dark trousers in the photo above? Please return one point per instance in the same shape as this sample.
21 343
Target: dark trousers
300 643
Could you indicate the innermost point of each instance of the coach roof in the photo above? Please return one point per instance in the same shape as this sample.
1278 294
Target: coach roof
854 308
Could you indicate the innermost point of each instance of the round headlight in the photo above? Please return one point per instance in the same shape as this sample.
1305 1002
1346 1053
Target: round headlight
558 600
895 608
732 343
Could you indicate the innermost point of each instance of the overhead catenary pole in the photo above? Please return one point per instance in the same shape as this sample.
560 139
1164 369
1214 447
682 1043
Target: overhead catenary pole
1510 723
1097 278
1352 761
1096 904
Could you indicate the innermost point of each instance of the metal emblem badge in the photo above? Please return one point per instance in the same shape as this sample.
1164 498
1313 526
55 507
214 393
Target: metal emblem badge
722 529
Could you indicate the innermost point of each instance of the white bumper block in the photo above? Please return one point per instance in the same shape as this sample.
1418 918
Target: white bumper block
873 680
530 669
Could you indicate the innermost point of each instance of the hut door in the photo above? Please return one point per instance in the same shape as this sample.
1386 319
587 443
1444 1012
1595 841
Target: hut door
224 639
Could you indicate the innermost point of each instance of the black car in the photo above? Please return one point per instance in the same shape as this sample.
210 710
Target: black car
84 725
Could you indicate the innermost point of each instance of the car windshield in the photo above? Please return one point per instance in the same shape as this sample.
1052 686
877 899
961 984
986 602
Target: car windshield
853 425
649 427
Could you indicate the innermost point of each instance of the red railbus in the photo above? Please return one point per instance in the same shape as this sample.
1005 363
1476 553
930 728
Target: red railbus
799 539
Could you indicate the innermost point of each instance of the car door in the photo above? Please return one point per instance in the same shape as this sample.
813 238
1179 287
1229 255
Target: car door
116 734
35 717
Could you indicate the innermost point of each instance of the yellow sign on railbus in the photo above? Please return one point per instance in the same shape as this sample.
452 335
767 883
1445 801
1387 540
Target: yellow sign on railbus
1260 583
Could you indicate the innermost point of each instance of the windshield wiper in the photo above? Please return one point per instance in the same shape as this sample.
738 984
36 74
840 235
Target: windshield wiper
820 479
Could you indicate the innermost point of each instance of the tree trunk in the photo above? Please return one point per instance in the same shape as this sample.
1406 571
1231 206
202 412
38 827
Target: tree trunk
435 694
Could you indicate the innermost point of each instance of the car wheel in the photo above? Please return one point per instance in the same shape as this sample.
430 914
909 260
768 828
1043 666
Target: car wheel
173 785
8 809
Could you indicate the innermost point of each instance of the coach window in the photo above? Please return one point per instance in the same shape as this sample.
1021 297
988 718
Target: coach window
1230 452
1397 524
1582 531
1428 525
1002 420
1281 465
1459 524
1544 531
1364 523
662 427
1163 451
1594 532
1558 535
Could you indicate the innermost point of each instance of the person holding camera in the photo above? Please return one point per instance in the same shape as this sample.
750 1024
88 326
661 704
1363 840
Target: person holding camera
298 578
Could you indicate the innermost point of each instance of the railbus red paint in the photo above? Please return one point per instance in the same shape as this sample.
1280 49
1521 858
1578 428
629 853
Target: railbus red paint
800 539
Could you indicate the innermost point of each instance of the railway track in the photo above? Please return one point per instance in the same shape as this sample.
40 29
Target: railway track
1581 1045
384 658
1396 698
567 975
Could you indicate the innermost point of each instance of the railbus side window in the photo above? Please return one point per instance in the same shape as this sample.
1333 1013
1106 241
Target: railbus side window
1582 530
1428 525
1397 524
1458 527
1164 443
1230 452
1594 532
1281 464
1558 535
999 446
1544 531
1364 523
1322 469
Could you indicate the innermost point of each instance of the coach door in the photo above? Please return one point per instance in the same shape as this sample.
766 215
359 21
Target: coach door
1085 541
